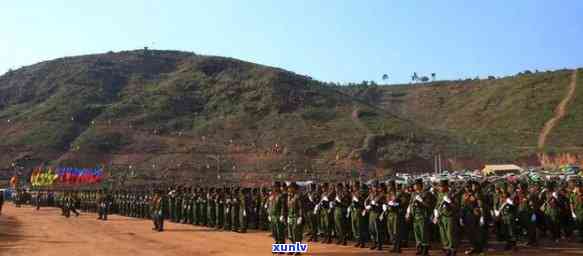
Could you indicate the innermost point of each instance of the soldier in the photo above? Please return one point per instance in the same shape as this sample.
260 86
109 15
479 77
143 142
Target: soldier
473 215
576 203
244 203
341 203
311 213
228 202
295 214
276 209
358 215
445 215
326 210
418 212
373 206
187 206
103 203
235 210
219 208
157 214
551 209
211 208
395 216
508 216
527 203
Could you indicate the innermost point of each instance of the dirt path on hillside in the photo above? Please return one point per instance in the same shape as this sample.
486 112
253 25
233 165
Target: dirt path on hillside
560 112
25 231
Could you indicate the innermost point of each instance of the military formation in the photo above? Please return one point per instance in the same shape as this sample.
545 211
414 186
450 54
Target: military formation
373 215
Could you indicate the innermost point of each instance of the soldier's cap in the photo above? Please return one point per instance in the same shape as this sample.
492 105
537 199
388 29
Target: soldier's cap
340 185
392 182
276 184
363 188
293 185
419 181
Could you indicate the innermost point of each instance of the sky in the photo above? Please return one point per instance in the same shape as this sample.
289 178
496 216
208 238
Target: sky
341 41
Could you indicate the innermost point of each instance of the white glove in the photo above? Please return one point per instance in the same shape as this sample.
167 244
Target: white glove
555 195
299 221
311 198
431 190
496 213
325 198
434 220
338 199
269 218
461 222
573 215
332 204
418 198
435 213
482 222
533 217
227 210
355 199
280 218
244 213
385 207
446 199
509 201
348 211
373 202
368 207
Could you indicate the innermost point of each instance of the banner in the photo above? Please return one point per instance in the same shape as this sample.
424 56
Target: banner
41 176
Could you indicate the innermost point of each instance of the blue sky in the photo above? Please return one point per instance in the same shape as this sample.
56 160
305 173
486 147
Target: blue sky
328 40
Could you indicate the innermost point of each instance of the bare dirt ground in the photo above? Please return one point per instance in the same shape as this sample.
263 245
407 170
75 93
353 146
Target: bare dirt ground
25 231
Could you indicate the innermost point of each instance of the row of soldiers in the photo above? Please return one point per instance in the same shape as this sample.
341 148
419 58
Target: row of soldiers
377 214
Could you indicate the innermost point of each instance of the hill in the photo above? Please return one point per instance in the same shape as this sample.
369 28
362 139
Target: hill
181 116
492 120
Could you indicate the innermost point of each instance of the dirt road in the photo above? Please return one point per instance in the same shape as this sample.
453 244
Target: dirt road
560 112
24 231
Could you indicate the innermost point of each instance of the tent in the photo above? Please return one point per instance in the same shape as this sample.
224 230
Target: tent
501 169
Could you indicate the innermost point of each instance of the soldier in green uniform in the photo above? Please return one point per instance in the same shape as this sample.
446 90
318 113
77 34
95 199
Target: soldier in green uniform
446 217
276 209
576 203
373 206
219 208
340 204
418 212
527 203
311 211
244 203
395 215
196 206
235 210
323 208
508 216
551 210
295 214
228 202
473 215
211 208
358 217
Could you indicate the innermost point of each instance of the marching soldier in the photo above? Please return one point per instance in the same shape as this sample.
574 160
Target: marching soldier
576 202
276 209
341 202
445 215
311 212
508 216
235 210
211 208
373 207
244 203
358 217
295 214
473 215
395 216
418 212
103 204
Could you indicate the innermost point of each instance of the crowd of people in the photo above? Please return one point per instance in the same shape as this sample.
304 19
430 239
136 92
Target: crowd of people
372 215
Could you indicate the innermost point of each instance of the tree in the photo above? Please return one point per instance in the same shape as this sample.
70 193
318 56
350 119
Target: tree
373 83
433 76
385 77
414 77
424 79
491 77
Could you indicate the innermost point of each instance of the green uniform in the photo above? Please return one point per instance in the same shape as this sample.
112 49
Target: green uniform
243 212
373 206
446 217
341 203
419 213
295 218
276 204
395 215
576 201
